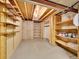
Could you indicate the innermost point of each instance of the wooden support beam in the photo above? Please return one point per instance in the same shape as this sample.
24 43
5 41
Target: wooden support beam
18 8
75 4
26 10
52 30
68 8
45 13
49 13
33 11
56 5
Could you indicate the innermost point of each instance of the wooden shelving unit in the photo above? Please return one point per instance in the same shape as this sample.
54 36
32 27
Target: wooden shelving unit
9 14
66 27
9 28
10 9
67 22
67 39
66 46
8 32
8 23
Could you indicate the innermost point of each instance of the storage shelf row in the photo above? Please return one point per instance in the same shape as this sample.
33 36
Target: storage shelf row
69 46
8 32
66 34
11 9
67 22
67 39
67 28
8 23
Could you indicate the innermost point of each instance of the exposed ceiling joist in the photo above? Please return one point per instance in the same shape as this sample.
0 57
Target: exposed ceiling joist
39 12
56 5
18 8
65 11
29 10
49 13
45 13
75 4
26 11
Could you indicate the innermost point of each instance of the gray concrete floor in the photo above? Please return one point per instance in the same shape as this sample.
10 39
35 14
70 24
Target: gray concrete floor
35 49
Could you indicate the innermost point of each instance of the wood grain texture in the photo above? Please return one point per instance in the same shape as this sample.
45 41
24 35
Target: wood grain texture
78 42
61 26
26 9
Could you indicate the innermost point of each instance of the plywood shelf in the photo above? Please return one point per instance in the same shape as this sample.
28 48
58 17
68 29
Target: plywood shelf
14 18
8 32
66 31
66 46
8 23
67 39
67 22
67 28
10 28
9 14
9 7
73 30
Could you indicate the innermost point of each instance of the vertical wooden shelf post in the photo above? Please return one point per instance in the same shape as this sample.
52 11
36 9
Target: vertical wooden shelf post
2 38
52 30
78 35
3 47
42 29
78 42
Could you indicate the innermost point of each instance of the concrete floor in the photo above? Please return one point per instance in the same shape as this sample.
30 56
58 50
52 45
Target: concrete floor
34 49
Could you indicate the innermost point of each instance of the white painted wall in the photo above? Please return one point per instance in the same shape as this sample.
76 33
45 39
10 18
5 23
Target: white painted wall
27 30
46 30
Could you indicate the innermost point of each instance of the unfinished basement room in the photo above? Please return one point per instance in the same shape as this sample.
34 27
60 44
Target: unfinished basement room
39 29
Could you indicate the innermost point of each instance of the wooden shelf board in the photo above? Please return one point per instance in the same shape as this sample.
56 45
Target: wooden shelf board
8 23
11 9
11 16
8 6
64 45
66 39
72 28
67 31
68 22
8 32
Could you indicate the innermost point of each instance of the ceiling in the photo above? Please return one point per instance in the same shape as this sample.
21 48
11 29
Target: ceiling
59 4
35 12
39 12
26 9
68 3
31 11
